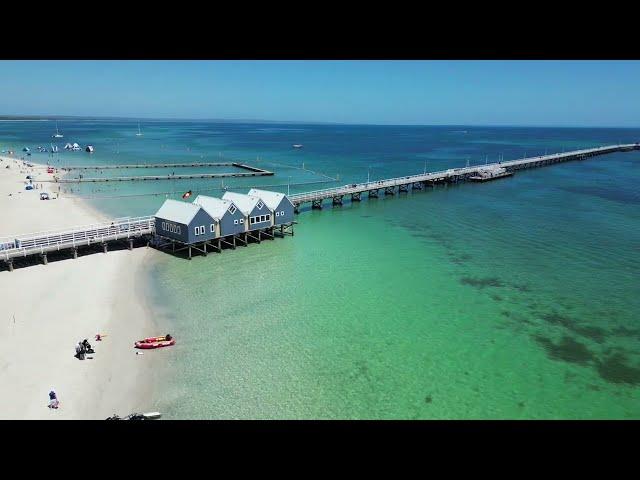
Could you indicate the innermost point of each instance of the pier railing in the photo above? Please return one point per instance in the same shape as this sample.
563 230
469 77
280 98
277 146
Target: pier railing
316 195
43 242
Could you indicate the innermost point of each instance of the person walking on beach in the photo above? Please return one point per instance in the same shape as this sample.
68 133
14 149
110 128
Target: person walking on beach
53 399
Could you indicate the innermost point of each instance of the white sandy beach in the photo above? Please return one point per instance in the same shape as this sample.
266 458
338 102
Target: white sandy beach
47 309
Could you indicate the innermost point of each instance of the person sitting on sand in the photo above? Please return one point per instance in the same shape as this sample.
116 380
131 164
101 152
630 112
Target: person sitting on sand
87 346
167 337
53 399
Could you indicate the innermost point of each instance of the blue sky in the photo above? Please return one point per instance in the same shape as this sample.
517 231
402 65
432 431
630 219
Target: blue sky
554 93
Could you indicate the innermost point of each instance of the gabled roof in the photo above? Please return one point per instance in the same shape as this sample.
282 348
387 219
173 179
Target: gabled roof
216 207
179 212
271 199
246 203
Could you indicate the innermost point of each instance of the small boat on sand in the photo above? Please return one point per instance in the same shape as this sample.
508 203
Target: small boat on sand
156 342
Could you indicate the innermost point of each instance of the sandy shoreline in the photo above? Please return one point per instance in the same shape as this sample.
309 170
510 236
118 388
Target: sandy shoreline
48 308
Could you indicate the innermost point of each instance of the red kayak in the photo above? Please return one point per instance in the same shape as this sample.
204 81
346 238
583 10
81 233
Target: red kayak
156 342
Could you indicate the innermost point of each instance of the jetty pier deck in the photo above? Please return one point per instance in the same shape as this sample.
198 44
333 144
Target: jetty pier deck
126 229
129 229
452 175
251 172
163 165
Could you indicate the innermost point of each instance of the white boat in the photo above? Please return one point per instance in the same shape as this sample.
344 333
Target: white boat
139 134
58 134
75 147
297 145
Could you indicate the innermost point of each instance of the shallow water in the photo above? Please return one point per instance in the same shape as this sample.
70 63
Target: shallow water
512 299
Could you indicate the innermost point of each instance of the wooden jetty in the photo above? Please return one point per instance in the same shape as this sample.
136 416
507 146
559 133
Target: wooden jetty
161 165
158 177
129 229
123 229
453 175
251 172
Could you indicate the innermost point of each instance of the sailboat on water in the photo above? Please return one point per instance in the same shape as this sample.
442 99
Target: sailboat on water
58 134
139 134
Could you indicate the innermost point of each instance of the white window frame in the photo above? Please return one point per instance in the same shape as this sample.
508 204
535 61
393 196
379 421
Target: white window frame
277 214
242 220
213 228
178 229
268 217
281 213
235 222
202 229
197 230
252 220
232 209
260 205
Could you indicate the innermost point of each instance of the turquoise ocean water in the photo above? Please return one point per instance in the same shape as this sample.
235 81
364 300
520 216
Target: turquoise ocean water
512 299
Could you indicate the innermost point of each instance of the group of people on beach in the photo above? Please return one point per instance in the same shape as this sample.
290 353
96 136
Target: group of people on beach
82 349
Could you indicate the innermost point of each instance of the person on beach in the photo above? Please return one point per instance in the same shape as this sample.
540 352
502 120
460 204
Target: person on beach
53 399
79 351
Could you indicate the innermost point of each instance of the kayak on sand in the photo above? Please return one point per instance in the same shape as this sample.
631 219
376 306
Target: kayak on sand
156 342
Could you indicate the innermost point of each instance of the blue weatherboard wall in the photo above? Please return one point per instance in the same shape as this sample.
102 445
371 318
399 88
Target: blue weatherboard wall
202 218
166 232
287 207
227 223
255 212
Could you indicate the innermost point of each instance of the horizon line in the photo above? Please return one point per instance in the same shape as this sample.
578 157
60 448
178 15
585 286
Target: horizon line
303 122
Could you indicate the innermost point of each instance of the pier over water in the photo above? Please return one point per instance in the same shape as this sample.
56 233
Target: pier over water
452 175
141 230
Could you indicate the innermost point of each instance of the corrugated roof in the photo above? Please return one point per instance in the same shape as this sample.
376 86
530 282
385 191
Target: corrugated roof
179 212
216 207
271 199
245 203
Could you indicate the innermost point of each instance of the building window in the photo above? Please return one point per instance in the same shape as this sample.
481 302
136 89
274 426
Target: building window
213 228
268 217
242 220
164 226
252 220
277 214
178 230
260 205
232 209
235 222
281 213
201 229
262 218
197 230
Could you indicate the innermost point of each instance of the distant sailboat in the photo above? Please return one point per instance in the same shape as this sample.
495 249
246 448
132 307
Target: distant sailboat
58 134
139 134
297 145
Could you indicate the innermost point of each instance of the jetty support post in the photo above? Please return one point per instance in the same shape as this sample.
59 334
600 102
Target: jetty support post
130 244
204 248
355 197
388 191
316 204
44 259
403 188
373 193
75 253
9 264
189 252
104 247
